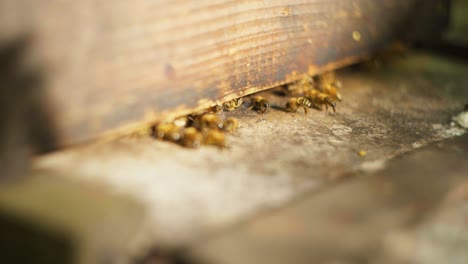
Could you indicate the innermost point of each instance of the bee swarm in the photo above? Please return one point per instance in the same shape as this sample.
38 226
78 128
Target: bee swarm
208 128
317 91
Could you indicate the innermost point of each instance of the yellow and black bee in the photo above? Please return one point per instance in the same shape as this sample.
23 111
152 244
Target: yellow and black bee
191 138
168 131
230 125
233 104
259 104
318 99
294 103
215 137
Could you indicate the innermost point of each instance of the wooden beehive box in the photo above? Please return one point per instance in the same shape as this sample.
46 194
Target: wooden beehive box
98 67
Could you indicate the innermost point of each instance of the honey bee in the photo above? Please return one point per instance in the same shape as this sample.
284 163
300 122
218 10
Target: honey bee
206 121
215 109
191 138
293 89
307 81
168 131
211 121
333 92
299 87
215 137
327 77
320 98
230 125
328 84
297 102
233 104
259 104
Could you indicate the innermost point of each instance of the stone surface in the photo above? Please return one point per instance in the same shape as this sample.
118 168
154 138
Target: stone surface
403 105
412 211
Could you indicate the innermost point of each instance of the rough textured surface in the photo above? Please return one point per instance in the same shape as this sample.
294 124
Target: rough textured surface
412 211
115 65
274 157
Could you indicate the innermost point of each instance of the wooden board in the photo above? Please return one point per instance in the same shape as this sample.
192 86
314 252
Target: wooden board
111 66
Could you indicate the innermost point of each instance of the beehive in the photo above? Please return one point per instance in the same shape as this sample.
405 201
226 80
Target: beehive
110 66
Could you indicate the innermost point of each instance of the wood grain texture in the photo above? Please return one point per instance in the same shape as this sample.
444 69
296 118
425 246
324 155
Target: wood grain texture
114 65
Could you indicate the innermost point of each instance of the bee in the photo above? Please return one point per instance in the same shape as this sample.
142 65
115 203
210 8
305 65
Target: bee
233 104
230 125
307 81
299 87
168 131
332 91
211 121
293 89
191 138
320 98
215 109
326 79
297 102
215 137
259 104
206 121
327 83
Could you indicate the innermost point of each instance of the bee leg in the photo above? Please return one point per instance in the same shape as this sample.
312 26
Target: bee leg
333 106
305 110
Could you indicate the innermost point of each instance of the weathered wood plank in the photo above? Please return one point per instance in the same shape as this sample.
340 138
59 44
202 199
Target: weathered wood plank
113 65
